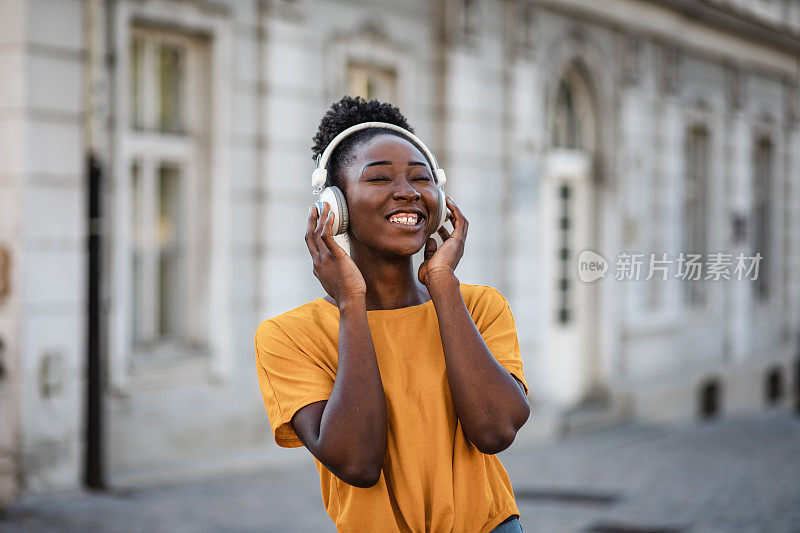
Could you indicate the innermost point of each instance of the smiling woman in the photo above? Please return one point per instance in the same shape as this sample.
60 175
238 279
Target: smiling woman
392 358
395 184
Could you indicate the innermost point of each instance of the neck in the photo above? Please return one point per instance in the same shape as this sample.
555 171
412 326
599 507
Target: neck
391 281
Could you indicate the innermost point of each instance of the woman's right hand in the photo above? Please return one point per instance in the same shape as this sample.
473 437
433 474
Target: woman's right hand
335 270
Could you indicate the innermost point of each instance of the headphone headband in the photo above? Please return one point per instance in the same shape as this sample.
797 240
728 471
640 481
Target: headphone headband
320 174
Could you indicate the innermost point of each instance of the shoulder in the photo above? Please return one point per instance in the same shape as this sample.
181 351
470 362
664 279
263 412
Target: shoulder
475 295
484 302
488 307
315 314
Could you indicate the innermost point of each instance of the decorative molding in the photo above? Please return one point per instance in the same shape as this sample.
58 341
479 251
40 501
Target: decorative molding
526 27
214 8
596 64
670 69
369 41
374 30
287 10
735 87
649 17
462 23
631 59
577 32
791 103
733 21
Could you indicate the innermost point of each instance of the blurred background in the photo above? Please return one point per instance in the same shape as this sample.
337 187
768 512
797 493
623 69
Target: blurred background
155 163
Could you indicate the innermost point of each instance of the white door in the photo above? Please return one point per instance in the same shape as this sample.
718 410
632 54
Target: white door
567 218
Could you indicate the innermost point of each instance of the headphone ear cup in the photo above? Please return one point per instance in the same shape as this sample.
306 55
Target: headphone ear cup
334 197
441 210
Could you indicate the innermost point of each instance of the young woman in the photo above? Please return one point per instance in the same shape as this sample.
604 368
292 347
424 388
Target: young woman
402 384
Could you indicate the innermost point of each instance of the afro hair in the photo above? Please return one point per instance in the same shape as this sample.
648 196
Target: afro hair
348 112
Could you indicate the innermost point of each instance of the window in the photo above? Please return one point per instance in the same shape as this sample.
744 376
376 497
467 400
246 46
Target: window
167 189
762 179
372 82
158 63
694 204
573 118
566 126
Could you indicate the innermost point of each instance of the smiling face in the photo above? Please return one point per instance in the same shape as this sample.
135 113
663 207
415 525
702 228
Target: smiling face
391 196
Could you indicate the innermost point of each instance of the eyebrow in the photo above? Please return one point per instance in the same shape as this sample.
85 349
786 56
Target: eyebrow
375 163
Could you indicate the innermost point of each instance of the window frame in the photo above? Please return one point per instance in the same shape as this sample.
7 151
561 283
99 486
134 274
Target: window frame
371 70
361 47
192 364
153 148
696 294
155 36
763 287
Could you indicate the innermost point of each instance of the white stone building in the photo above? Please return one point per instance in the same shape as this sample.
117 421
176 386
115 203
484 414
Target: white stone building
617 126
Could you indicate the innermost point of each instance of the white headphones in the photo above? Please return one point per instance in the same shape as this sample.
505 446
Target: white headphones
335 198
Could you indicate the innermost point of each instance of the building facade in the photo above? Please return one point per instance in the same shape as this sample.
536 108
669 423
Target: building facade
638 130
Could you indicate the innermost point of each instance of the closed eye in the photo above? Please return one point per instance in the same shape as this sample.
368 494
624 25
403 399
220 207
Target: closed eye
378 178
425 178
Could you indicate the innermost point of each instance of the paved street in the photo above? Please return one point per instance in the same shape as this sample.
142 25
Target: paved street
727 476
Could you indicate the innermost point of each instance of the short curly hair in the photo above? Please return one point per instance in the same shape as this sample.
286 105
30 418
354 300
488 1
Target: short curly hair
348 112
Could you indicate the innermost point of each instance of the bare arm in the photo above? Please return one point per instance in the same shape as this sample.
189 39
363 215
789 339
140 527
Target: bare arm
346 433
490 403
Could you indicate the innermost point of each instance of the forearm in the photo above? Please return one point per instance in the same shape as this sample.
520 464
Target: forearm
352 433
488 401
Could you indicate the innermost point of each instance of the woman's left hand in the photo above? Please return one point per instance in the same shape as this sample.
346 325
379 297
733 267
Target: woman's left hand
443 261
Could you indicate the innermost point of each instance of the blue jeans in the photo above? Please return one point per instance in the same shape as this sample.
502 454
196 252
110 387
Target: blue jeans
509 527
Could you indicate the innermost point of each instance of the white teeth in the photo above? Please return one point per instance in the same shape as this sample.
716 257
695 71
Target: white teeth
407 219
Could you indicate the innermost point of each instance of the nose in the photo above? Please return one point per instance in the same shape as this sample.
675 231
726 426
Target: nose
405 190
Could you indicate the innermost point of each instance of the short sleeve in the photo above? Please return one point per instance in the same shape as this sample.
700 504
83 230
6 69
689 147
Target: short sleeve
494 320
289 379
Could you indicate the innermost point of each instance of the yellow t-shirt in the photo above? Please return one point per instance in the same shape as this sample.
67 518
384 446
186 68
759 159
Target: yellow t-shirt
433 479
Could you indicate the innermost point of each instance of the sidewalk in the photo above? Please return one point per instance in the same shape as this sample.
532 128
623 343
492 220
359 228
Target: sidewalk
731 475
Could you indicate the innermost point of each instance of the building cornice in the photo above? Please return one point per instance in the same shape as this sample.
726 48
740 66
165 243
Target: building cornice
730 39
734 22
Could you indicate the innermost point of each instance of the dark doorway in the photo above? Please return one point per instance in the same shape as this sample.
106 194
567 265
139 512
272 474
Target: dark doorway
797 385
773 386
710 398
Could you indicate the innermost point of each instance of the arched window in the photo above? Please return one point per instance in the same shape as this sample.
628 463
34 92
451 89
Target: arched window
572 128
573 123
565 126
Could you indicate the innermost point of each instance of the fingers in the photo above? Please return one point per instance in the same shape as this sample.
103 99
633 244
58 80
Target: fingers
430 249
324 220
443 233
460 224
310 229
326 235
323 235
